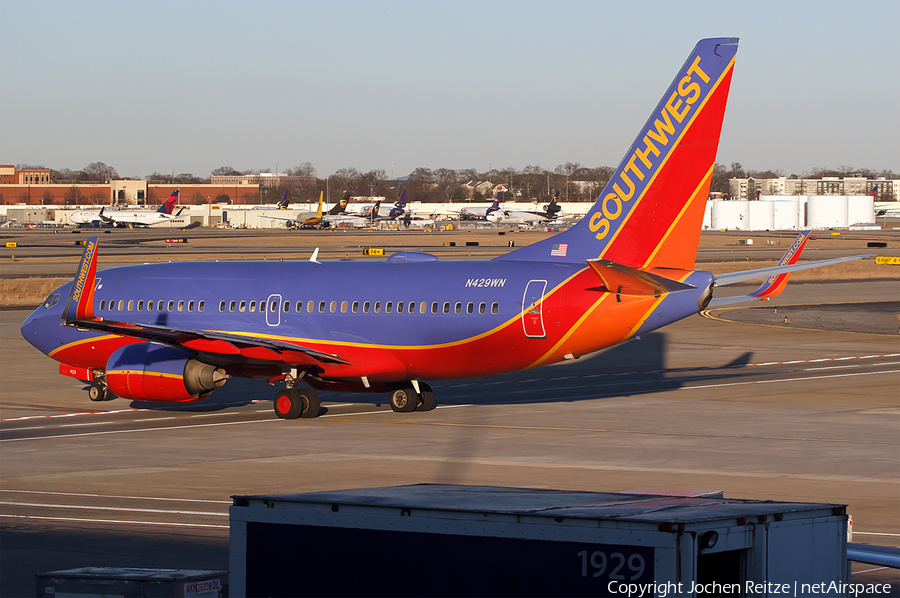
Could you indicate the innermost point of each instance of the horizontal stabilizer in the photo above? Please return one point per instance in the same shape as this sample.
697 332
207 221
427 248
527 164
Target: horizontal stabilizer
631 281
735 277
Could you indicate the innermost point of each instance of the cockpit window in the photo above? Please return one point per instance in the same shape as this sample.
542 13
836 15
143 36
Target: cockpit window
51 301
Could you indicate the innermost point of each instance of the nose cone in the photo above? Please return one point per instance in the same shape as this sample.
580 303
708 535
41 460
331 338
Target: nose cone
42 327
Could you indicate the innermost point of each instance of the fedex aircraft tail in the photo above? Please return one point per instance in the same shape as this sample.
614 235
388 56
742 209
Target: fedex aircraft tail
399 207
650 213
283 204
169 205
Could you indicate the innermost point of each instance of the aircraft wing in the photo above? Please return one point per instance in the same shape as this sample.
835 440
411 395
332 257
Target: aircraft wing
79 314
207 341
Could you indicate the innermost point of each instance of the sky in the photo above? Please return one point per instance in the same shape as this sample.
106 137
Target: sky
190 86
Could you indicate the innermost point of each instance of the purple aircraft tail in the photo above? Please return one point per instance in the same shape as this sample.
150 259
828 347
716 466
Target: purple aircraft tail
169 205
283 204
498 197
399 207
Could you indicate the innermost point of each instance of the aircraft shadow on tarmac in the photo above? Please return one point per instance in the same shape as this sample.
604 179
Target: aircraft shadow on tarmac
633 368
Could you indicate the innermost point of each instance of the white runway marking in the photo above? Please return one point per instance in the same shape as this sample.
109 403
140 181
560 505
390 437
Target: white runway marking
99 508
79 520
82 494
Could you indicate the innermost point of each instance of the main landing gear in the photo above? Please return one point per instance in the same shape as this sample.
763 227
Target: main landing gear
292 403
406 398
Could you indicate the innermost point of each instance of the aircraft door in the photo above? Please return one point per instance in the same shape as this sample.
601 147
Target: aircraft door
273 310
532 309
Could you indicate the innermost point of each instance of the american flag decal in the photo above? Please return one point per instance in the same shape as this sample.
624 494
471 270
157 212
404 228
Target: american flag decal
559 249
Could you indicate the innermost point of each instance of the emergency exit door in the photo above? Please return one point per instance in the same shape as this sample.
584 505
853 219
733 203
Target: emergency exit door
532 309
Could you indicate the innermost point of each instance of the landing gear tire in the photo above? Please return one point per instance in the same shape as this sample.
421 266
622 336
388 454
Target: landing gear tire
292 403
404 400
288 404
98 393
426 398
310 403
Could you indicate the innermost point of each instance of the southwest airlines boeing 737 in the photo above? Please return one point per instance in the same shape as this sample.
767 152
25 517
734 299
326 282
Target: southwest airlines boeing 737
176 331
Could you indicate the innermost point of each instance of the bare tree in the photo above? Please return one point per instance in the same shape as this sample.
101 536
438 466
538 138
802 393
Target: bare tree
99 172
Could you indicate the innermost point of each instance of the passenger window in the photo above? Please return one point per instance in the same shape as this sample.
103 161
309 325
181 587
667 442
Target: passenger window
181 305
434 307
191 305
232 305
299 307
458 308
221 306
495 308
286 307
411 307
321 307
355 307
366 307
150 305
273 307
121 305
171 305
252 306
262 307
332 307
242 307
201 305
102 305
388 307
378 307
159 305
482 308
140 305
470 308
446 308
343 307
310 306
131 305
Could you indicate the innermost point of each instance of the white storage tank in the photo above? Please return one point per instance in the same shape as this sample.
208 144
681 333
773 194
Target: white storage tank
860 209
827 211
786 214
760 215
730 215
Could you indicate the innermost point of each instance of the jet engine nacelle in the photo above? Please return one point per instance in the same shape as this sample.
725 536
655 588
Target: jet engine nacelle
155 372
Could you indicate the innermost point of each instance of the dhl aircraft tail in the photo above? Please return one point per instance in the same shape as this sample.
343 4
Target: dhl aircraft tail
321 199
650 213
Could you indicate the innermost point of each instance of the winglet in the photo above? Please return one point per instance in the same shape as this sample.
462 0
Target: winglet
774 284
80 305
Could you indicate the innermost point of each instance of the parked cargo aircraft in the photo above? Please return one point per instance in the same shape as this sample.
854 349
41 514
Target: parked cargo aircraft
128 218
550 213
176 331
304 219
481 213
